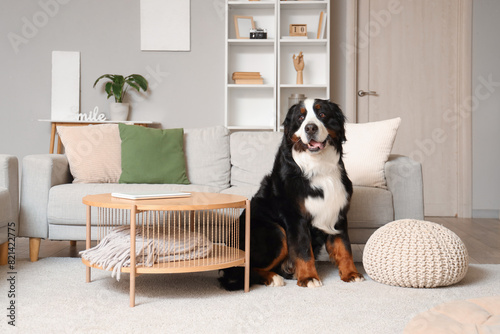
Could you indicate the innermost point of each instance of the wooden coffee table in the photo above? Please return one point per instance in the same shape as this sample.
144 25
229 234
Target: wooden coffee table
215 216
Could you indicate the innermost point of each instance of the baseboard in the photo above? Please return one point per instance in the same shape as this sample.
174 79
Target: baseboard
495 214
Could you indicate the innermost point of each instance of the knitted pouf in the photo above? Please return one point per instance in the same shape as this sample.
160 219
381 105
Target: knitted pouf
415 253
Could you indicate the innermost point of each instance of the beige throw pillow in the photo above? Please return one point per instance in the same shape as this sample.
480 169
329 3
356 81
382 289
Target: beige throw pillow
93 152
367 149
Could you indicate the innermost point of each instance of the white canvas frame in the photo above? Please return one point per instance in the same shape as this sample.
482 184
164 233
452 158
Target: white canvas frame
65 95
165 25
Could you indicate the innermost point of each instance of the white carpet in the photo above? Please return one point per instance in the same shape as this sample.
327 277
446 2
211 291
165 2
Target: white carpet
52 297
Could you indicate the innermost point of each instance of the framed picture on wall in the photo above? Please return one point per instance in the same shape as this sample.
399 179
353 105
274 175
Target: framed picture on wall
165 25
242 25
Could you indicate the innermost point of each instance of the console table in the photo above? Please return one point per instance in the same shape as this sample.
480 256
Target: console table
214 216
55 123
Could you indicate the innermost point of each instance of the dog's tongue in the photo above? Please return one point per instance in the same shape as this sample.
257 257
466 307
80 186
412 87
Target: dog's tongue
316 145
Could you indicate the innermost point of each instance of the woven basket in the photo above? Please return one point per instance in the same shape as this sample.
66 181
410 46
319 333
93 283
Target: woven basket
416 254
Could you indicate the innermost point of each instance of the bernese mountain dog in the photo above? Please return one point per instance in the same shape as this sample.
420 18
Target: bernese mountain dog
302 204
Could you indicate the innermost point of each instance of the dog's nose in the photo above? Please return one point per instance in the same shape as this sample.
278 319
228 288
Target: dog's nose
311 129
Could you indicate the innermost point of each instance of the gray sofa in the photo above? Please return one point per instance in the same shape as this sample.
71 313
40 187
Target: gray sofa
217 161
9 201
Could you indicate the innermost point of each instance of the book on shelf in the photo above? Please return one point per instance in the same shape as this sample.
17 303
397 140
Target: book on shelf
246 75
321 26
248 78
150 195
249 81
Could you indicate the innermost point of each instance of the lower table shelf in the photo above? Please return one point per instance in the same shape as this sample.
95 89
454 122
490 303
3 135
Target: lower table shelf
222 257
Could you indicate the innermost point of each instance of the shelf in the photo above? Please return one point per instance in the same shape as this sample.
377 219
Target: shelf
251 42
97 122
217 260
303 4
303 86
303 42
251 4
250 86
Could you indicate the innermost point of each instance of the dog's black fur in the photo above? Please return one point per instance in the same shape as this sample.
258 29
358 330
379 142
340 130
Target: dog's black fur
285 238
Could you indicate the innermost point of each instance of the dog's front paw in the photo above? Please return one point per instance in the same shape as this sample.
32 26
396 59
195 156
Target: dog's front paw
277 280
309 283
352 277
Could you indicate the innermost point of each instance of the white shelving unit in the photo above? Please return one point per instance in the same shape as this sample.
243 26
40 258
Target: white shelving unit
259 107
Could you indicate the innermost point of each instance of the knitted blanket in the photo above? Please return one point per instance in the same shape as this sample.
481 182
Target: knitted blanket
113 252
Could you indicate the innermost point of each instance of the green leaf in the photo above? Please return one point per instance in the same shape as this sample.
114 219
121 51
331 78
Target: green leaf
109 88
133 85
109 76
140 80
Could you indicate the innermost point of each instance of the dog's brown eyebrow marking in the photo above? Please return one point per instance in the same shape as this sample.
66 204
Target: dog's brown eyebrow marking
317 106
302 110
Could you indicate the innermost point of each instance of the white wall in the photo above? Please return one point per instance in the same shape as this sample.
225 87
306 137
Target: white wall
187 88
486 115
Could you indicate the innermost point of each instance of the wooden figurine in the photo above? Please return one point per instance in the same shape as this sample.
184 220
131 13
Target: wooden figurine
298 63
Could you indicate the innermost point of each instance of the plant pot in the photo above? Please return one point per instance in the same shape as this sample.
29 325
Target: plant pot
119 111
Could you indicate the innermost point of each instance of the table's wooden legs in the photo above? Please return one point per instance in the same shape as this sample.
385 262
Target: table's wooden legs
87 242
132 256
247 246
59 145
52 138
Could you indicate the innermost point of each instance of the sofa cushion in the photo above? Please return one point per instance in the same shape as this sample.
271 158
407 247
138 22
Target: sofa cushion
207 156
93 152
252 156
152 155
65 205
370 208
367 150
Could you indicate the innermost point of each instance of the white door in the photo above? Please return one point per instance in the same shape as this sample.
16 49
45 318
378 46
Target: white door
412 63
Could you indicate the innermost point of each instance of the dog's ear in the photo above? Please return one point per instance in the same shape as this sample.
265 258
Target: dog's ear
340 119
287 123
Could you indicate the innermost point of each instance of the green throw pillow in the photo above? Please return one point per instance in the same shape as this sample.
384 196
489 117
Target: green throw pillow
152 155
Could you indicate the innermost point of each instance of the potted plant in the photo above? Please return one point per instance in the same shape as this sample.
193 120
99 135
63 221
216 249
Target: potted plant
117 87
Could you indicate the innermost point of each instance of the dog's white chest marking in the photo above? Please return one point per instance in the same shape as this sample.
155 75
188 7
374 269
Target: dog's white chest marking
323 172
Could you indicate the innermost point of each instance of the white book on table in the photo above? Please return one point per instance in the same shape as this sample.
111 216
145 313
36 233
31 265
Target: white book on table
151 195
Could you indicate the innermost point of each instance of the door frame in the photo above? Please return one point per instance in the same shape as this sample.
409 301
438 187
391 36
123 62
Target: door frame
464 96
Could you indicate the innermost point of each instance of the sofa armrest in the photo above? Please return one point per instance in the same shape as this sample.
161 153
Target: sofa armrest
39 174
404 180
9 179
